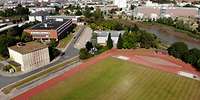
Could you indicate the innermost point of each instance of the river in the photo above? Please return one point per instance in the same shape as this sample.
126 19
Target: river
171 38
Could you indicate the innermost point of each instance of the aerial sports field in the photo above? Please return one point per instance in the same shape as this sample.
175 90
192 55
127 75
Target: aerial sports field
121 75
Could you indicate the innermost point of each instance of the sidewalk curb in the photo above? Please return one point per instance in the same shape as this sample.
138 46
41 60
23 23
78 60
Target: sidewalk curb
34 74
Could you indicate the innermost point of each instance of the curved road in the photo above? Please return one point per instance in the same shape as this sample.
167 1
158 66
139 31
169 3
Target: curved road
70 52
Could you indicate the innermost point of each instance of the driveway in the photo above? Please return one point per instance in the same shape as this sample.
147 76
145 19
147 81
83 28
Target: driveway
84 37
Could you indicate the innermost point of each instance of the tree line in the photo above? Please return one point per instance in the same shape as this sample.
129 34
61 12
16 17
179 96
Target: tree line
19 10
13 35
179 24
131 39
180 50
136 38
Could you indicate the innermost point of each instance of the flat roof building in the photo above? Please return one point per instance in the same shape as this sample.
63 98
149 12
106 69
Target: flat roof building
102 36
30 55
157 12
38 16
50 29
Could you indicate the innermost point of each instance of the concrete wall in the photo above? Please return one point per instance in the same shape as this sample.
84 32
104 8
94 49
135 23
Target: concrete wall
35 59
102 40
52 34
31 60
15 56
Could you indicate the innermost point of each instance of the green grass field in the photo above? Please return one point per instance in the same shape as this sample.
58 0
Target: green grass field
114 79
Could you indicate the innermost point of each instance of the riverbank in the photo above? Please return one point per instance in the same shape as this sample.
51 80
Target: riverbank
167 34
170 30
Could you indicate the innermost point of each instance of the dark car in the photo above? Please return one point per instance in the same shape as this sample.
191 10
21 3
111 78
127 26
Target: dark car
62 54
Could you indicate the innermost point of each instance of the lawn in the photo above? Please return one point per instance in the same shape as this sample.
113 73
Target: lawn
63 42
38 75
114 79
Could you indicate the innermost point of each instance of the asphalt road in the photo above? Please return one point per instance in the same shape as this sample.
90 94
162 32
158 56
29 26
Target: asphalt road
70 52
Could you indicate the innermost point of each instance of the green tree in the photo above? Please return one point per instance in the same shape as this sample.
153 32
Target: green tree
53 52
120 42
9 12
198 64
78 13
87 12
21 10
178 49
98 14
147 40
88 46
2 13
26 37
129 40
57 9
109 41
66 12
192 56
3 44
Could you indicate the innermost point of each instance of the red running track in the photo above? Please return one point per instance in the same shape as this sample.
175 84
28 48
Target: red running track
129 53
26 95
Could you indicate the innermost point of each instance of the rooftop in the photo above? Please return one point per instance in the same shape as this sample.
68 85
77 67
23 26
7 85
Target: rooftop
105 33
40 13
28 47
50 24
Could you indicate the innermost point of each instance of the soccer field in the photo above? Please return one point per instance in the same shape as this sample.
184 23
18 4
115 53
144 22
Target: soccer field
114 79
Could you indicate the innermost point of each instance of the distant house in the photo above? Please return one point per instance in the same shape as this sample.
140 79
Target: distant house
157 12
50 29
102 36
30 55
38 16
36 9
75 19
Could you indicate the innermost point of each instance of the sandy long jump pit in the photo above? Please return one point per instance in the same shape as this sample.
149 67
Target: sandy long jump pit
154 60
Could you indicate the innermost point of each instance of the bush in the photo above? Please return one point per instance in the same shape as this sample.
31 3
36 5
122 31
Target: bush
101 49
147 40
178 50
192 56
84 54
7 68
198 65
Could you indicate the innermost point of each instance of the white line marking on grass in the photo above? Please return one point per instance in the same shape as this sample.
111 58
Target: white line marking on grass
188 75
123 57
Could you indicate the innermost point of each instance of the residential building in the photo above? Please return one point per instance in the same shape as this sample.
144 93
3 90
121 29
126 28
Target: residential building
157 12
102 36
38 16
36 9
50 29
30 55
75 19
121 3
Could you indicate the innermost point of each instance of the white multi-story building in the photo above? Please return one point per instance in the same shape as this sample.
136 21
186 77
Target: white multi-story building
102 36
36 9
38 16
143 12
30 55
121 3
